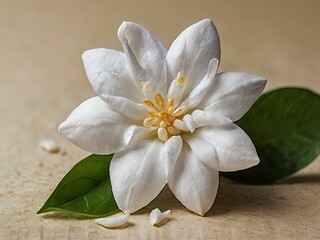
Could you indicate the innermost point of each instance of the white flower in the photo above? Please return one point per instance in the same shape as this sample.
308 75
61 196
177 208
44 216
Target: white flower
166 115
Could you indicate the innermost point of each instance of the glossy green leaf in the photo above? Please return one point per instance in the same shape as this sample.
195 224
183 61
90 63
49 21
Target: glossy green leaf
85 190
284 126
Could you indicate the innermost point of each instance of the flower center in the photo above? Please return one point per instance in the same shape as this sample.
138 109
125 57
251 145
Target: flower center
162 115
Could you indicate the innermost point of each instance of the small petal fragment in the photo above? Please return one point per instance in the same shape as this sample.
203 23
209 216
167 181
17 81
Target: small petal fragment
113 222
156 216
232 94
49 145
137 175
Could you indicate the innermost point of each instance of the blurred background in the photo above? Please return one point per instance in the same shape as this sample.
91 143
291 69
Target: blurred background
41 73
42 80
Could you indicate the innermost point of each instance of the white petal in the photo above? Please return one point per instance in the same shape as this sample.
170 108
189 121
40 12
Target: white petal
135 111
190 124
156 216
179 124
137 175
224 148
203 118
96 128
108 74
232 94
199 92
49 145
191 53
148 51
194 184
171 151
113 222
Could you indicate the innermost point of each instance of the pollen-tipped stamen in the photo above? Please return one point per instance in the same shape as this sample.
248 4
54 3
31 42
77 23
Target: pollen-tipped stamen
179 111
162 134
159 100
150 104
148 122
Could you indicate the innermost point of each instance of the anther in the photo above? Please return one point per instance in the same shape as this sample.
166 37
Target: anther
148 122
167 120
153 114
179 111
162 134
170 104
150 104
180 80
159 99
163 124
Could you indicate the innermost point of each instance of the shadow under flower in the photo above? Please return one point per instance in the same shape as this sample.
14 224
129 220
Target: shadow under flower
232 198
301 179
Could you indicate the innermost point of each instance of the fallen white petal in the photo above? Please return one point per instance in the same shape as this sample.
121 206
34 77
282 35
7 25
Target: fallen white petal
156 216
113 222
49 145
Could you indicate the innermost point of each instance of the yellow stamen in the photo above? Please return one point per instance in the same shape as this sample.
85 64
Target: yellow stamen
159 99
162 134
180 80
150 104
167 120
163 124
154 114
148 122
179 111
170 104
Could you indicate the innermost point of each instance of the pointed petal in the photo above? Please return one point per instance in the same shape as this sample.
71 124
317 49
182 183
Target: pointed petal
108 74
194 184
126 107
204 118
224 148
96 128
191 53
199 119
171 151
199 92
143 49
232 94
137 175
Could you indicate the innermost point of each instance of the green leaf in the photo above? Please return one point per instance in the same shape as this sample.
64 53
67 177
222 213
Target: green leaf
284 126
85 190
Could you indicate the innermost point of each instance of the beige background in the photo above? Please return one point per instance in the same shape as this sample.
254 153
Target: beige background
42 80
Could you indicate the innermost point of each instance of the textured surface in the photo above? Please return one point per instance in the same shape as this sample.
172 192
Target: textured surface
42 80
